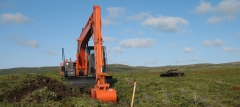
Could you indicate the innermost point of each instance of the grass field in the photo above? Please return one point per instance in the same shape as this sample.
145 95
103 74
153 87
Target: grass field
211 85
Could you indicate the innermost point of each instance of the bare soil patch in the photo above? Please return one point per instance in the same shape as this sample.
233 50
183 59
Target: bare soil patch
62 91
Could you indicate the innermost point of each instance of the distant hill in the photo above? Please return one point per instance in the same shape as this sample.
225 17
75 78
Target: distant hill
22 70
122 68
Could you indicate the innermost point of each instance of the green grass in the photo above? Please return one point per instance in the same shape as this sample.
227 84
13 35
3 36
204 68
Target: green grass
25 70
203 85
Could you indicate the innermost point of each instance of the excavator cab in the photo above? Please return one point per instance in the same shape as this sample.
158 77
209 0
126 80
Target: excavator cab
68 69
91 65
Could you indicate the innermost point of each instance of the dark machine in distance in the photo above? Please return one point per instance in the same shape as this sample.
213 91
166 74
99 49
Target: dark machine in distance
172 73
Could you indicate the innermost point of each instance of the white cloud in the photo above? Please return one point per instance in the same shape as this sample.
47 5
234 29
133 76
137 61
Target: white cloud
187 60
126 30
215 19
111 39
110 60
195 59
107 21
226 8
140 33
180 61
31 43
15 36
114 12
115 49
113 61
139 16
217 42
20 41
183 31
50 52
228 49
229 7
165 23
188 50
138 43
17 18
203 7
173 44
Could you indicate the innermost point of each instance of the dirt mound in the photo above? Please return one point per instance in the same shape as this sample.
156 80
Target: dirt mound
62 91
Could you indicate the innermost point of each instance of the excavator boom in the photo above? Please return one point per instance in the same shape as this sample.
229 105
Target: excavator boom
90 64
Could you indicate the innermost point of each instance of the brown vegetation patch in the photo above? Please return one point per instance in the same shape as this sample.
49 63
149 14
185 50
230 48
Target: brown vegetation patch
235 88
20 92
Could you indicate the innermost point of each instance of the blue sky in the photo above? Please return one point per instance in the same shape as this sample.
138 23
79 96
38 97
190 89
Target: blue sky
136 33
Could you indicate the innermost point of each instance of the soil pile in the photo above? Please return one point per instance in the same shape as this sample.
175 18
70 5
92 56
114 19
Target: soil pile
61 91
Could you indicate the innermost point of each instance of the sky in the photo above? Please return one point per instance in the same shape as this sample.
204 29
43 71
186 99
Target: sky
135 33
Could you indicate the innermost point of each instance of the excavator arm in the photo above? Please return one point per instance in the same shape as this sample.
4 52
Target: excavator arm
82 43
101 90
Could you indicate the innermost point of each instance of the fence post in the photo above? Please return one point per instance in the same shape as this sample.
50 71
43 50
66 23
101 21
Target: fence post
135 83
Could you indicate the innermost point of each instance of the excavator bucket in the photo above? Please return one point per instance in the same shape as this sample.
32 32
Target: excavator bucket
109 95
85 81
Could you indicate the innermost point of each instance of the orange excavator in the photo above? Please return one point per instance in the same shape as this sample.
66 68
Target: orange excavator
89 68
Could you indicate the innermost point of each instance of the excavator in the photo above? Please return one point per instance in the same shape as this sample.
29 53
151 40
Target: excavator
89 68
